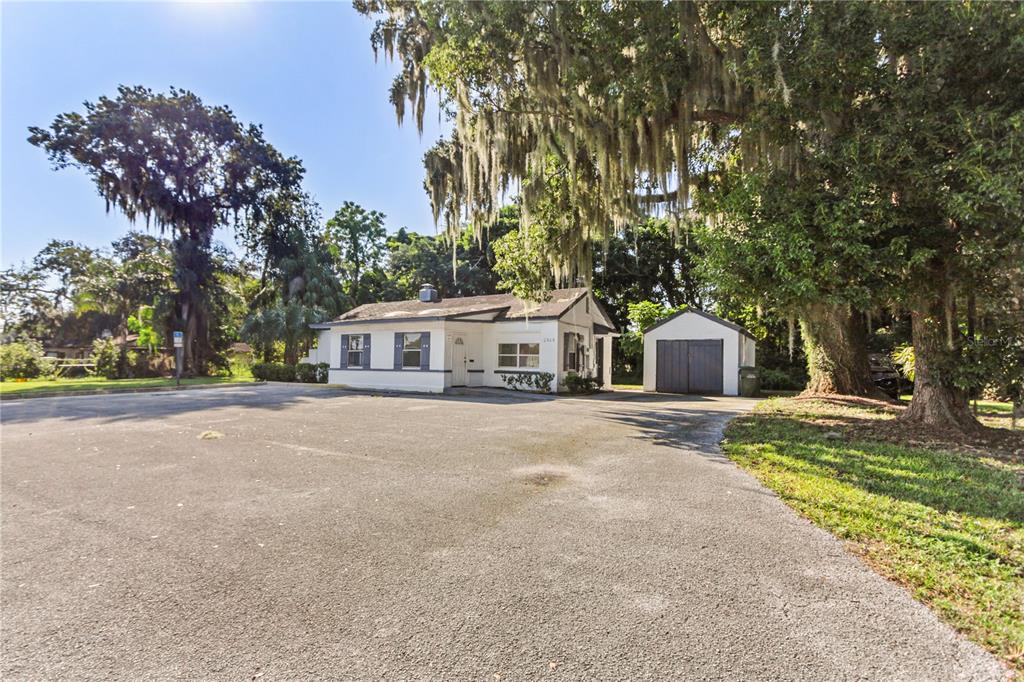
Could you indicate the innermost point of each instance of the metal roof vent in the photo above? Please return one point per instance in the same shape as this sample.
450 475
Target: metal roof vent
428 294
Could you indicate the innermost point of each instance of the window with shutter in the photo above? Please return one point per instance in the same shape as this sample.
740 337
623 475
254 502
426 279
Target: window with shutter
411 350
343 360
355 351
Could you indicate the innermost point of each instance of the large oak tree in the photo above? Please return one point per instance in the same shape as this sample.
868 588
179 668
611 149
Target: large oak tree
185 167
639 102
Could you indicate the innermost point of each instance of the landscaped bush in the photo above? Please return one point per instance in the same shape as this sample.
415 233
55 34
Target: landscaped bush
106 355
780 380
273 371
577 383
541 381
303 372
311 374
22 360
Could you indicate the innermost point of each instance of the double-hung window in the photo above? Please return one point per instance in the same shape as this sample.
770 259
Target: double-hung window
519 355
412 347
355 351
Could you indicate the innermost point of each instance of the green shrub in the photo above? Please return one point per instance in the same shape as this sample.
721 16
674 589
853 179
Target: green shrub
311 374
273 371
541 381
107 356
780 380
305 373
904 358
578 383
321 372
22 360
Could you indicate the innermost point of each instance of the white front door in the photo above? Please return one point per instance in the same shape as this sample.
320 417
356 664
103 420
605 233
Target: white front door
458 362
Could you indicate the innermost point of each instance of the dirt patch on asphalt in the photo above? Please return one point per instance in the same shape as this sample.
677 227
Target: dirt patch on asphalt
543 475
544 479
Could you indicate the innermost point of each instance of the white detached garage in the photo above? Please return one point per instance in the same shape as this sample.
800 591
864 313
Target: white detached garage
696 352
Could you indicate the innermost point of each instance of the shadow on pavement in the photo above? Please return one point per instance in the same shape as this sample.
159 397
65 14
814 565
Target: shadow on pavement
128 406
697 430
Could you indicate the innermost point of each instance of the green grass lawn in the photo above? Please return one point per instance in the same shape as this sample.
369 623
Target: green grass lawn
627 387
11 387
949 526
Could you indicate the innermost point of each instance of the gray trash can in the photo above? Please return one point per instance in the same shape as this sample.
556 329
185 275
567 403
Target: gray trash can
750 381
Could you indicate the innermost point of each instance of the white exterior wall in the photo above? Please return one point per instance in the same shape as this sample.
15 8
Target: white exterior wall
580 319
382 375
483 348
481 338
608 341
692 326
748 351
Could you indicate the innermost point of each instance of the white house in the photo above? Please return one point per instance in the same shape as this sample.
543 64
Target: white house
431 344
696 352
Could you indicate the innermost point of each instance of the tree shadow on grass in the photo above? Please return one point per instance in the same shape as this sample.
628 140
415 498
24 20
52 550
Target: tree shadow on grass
941 480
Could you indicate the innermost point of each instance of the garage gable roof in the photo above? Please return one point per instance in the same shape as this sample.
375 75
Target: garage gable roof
709 316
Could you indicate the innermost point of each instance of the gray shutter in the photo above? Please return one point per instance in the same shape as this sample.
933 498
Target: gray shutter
366 351
566 340
344 352
399 342
425 350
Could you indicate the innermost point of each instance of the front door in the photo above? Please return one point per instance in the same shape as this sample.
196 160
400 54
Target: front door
458 362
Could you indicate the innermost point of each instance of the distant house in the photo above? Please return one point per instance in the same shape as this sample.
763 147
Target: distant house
432 344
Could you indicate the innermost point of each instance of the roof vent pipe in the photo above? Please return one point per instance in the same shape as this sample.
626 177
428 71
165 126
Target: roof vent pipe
428 294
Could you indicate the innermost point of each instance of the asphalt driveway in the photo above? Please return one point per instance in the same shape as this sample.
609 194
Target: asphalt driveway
282 532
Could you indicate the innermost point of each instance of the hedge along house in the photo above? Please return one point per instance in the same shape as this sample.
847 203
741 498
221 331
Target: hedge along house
431 344
696 352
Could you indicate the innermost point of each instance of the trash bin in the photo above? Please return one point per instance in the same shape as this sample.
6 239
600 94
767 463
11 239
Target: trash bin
750 381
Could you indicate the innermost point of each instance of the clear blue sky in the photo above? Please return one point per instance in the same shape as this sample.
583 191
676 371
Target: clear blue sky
303 70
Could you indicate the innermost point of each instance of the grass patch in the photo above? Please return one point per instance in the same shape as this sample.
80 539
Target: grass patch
628 387
40 386
947 525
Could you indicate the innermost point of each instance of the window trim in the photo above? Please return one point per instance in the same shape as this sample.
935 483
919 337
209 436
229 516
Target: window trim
521 361
359 352
418 351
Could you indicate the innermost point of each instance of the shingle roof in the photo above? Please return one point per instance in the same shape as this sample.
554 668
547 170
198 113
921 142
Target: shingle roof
506 306
709 316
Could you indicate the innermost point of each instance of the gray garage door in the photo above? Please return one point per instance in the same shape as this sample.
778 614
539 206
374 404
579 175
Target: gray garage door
689 366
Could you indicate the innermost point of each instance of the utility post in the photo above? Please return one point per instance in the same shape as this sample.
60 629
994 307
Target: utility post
179 356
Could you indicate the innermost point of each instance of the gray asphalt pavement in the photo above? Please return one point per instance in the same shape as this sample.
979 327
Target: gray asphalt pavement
288 532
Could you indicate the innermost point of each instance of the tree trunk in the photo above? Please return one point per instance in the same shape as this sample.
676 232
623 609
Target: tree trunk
835 342
291 351
187 331
936 402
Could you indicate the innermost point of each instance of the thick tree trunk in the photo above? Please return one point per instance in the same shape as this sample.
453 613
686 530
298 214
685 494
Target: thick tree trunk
835 342
193 266
936 401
